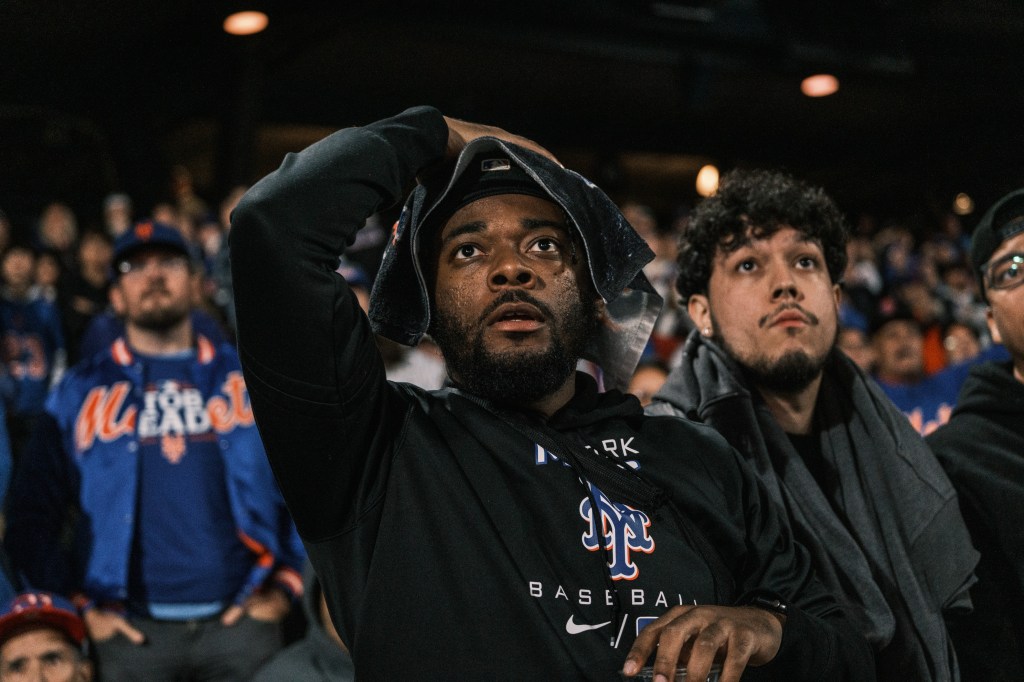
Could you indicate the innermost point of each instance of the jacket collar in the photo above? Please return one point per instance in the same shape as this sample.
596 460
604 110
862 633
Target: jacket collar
122 354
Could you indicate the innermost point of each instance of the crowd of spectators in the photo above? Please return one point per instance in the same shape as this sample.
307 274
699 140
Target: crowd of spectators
911 313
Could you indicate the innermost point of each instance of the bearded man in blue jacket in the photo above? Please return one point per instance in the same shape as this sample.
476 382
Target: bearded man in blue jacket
184 558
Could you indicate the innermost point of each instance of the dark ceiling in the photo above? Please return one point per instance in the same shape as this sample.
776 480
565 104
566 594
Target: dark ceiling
97 95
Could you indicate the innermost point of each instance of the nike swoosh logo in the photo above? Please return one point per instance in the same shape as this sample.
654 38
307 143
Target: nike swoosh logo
576 628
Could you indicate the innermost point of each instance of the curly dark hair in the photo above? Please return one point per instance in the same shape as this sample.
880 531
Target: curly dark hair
756 204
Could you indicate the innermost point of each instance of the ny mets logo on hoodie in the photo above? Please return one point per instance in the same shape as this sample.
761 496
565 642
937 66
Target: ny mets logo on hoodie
624 530
170 412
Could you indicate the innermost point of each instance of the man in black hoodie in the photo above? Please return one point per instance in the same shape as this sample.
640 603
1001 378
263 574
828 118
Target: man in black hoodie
982 449
760 263
522 524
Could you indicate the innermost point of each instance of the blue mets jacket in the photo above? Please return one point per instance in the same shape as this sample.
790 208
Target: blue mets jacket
84 456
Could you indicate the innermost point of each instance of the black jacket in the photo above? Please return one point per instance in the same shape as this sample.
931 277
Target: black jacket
982 450
450 544
868 499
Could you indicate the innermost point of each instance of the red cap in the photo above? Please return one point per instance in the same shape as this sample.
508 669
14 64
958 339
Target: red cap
30 610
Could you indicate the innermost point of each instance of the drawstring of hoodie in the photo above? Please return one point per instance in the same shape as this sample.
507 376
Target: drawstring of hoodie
621 482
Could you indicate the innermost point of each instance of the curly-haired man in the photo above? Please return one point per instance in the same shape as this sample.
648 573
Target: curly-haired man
760 264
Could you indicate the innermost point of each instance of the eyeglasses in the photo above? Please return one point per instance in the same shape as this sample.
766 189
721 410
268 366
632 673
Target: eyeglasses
1005 273
168 264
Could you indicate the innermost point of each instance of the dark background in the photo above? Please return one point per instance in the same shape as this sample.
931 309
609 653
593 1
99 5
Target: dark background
105 95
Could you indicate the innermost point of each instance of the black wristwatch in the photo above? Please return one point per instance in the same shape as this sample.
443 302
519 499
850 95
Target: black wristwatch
764 599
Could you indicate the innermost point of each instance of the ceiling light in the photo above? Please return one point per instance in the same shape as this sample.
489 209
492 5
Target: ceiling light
963 204
707 180
819 85
245 23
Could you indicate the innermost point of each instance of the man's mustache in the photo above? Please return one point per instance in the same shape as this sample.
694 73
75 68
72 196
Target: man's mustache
811 317
515 297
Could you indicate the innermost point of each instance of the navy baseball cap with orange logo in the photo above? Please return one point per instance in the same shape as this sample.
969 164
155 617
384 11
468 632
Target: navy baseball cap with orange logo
149 234
34 610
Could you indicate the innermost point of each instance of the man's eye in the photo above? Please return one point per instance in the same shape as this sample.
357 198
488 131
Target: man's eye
806 262
746 266
545 246
466 251
53 658
19 666
1009 274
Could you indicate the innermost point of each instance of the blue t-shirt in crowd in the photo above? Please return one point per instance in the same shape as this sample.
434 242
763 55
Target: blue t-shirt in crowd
185 529
928 403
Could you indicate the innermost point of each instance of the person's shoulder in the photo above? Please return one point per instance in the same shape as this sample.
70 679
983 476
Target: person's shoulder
220 354
662 408
87 374
90 370
700 441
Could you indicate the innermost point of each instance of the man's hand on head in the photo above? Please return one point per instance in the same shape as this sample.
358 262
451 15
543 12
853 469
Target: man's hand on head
461 133
697 636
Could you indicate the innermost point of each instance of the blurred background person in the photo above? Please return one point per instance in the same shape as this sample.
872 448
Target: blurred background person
34 352
648 378
117 214
85 289
58 230
854 342
42 639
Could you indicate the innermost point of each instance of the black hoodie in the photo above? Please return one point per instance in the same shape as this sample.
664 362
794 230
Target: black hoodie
982 450
450 543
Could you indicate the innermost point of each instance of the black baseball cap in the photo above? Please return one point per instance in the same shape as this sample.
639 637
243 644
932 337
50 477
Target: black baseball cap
149 233
1004 220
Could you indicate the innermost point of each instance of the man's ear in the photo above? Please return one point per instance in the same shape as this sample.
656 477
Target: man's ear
700 311
601 309
993 328
116 299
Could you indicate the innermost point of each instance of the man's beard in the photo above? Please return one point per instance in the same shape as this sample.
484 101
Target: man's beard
791 373
517 377
160 319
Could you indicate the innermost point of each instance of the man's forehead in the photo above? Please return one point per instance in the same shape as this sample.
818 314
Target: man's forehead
759 236
528 211
36 635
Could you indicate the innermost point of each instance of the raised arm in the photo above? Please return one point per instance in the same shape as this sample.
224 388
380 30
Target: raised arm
314 375
288 231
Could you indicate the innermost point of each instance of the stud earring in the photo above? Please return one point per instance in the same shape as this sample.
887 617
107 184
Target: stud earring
706 331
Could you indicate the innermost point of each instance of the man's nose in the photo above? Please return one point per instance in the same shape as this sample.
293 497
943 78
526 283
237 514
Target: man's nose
511 269
785 289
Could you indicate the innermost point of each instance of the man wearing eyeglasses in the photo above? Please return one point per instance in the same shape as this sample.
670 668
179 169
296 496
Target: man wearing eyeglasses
184 558
982 449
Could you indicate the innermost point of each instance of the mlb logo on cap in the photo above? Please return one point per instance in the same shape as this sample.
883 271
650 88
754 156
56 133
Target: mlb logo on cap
149 234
